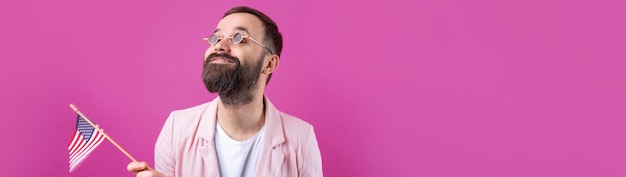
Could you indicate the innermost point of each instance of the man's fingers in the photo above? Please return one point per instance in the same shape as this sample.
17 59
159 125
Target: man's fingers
137 167
149 173
142 169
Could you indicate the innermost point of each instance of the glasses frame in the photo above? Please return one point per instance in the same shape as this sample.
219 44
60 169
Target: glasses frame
235 39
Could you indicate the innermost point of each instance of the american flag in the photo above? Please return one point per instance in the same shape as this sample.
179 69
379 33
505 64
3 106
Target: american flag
86 139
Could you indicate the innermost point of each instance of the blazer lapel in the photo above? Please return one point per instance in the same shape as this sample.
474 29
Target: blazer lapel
271 157
206 138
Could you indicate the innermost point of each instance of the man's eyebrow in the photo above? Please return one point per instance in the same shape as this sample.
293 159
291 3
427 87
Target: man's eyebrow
240 28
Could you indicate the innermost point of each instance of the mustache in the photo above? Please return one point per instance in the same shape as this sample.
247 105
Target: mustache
222 55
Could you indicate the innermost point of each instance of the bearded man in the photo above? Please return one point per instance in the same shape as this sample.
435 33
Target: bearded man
240 133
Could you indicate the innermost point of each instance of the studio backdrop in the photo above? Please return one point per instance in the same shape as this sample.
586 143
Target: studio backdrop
446 88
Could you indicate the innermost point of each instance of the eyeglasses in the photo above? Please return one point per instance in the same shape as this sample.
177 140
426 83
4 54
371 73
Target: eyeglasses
236 39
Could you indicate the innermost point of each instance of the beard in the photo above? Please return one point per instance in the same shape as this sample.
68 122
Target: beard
234 84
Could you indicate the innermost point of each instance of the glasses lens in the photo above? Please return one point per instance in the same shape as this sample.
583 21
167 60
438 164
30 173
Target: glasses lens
213 39
237 38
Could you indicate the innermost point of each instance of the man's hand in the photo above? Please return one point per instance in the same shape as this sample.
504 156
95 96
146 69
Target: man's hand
143 170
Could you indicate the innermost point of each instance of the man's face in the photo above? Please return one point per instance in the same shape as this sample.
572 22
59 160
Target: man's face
244 23
232 70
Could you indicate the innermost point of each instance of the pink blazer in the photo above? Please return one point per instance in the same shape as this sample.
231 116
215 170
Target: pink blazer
186 148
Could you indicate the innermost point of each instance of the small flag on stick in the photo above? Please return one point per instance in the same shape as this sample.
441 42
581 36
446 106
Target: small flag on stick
87 137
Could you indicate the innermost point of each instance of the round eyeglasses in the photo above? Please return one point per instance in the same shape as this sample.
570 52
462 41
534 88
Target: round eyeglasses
236 39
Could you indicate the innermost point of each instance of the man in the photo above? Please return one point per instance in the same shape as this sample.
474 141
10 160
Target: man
239 133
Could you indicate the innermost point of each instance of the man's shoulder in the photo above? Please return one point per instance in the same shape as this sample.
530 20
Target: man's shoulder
296 131
191 112
193 109
288 122
182 121
294 126
293 121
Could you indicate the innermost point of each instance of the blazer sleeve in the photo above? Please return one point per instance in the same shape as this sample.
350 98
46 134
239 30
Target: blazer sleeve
163 152
312 161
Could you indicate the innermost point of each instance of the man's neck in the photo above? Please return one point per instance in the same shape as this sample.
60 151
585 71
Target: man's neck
241 122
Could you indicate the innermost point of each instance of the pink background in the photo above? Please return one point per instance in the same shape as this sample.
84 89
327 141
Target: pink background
446 88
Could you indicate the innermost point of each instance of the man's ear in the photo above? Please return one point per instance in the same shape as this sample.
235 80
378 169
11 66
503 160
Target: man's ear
272 63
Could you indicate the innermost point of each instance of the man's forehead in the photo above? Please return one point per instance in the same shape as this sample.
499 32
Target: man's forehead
240 22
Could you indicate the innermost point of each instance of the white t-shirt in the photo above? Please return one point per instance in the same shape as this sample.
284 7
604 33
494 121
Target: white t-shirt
237 158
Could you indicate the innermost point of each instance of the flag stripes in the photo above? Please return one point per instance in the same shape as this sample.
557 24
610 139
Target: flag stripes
86 138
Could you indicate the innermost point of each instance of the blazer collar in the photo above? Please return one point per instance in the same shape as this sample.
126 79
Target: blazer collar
273 124
270 158
206 134
208 119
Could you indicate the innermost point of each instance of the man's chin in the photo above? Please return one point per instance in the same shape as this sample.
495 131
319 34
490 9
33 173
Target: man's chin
216 70
222 65
222 62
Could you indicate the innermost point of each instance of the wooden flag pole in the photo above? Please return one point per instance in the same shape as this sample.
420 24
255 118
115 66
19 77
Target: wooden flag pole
102 132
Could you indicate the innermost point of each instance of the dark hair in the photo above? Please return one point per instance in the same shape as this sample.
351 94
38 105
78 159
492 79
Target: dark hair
273 39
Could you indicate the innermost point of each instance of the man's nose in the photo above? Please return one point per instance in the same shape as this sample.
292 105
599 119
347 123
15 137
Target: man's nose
221 46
